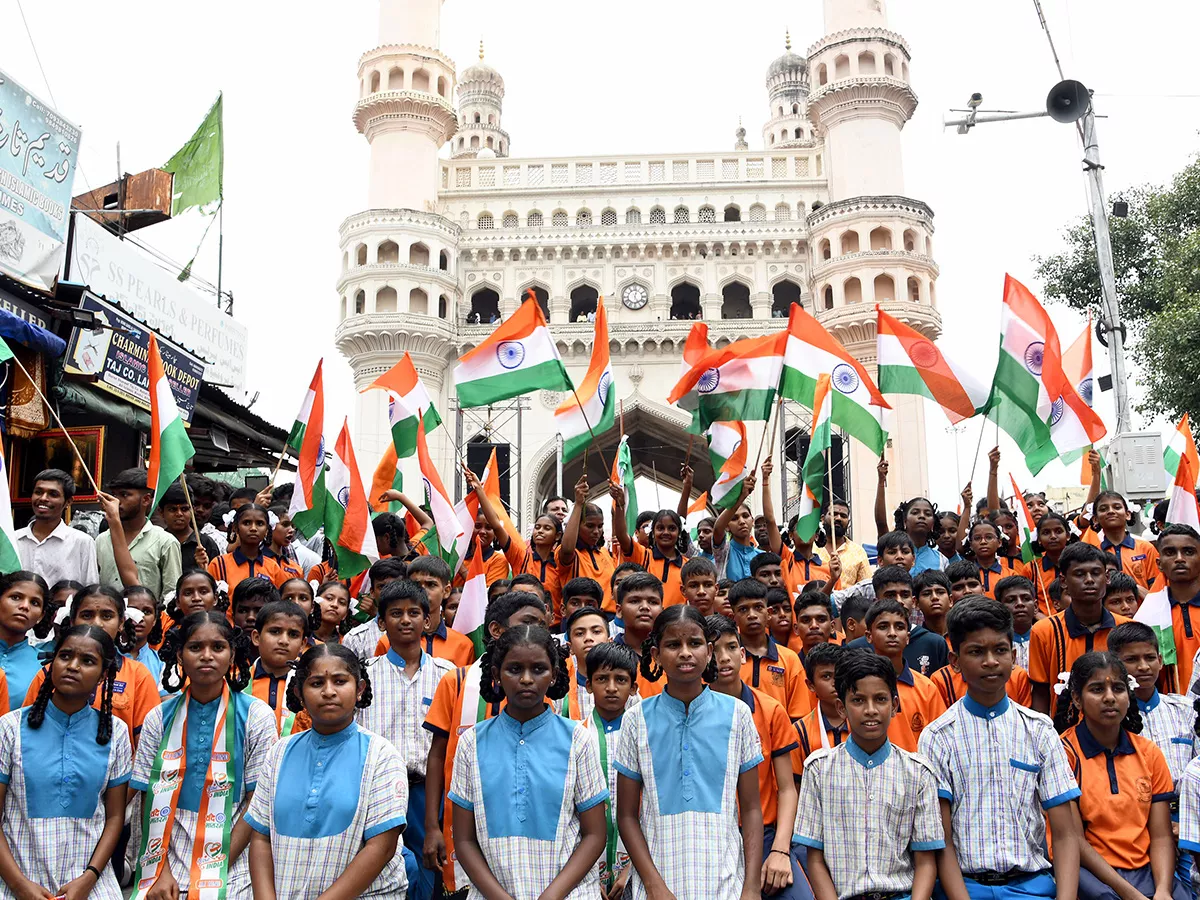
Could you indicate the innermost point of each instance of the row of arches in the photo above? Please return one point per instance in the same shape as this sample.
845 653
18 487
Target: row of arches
799 133
867 62
385 299
388 253
882 289
397 79
475 143
681 215
880 238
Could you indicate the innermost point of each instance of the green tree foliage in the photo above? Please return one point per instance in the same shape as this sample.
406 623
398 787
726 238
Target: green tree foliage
1156 255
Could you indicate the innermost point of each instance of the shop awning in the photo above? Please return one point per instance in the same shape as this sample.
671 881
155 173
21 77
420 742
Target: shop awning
15 329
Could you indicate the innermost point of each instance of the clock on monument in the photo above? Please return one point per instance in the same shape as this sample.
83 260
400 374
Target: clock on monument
635 296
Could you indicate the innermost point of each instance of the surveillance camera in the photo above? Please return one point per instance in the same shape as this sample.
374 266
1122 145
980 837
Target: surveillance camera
975 101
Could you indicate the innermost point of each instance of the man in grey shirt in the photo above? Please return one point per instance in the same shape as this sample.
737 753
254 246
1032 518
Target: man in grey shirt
155 552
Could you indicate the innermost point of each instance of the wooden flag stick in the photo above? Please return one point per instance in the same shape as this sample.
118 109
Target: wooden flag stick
657 496
58 422
589 428
188 496
274 475
763 440
975 461
687 458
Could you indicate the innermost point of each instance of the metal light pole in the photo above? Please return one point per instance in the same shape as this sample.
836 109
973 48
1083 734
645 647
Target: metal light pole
1069 101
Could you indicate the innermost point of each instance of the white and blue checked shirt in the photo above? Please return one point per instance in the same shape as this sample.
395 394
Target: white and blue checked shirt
306 866
361 639
1021 651
1170 721
527 783
52 844
867 813
399 704
1189 808
993 763
688 763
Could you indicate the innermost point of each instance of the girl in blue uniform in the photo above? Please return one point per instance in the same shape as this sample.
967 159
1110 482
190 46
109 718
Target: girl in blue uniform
64 767
686 763
23 597
331 803
200 756
528 790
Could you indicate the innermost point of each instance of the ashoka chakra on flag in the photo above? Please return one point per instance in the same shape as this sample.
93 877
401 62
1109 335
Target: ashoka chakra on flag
1085 390
343 497
844 378
708 381
1056 411
604 385
510 354
1033 357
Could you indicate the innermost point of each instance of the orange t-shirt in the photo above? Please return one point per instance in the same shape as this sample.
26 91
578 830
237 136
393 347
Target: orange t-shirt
665 570
1185 629
322 572
1056 642
443 643
596 564
646 687
798 571
951 686
809 738
777 736
778 674
135 693
291 568
1001 568
495 567
445 717
1042 572
1116 815
272 690
523 560
920 704
1138 558
234 568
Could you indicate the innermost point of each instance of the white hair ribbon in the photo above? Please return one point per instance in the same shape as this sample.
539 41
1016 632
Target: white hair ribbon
136 616
1063 679
272 519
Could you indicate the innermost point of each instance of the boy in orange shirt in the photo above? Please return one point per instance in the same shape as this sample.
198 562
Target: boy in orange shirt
1135 557
639 601
1179 558
920 701
770 666
779 613
825 726
814 622
699 579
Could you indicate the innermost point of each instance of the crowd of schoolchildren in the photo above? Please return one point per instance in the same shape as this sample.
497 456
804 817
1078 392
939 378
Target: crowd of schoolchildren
735 714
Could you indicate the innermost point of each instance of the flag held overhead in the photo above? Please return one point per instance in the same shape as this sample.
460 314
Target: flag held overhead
170 446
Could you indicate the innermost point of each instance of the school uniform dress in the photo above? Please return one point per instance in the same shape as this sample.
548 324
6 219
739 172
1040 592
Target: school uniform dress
595 563
361 640
1119 786
809 738
56 776
1002 567
665 569
234 568
867 813
1170 721
951 686
21 662
799 571
1021 650
1185 629
608 736
149 658
779 674
999 767
645 687
255 735
1056 642
135 693
320 798
1138 558
927 557
1189 809
443 642
920 704
272 690
527 783
688 763
523 559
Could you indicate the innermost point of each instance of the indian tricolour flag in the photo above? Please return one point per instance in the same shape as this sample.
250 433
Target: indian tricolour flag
387 477
910 363
728 450
856 406
1180 445
1182 509
170 447
1074 427
1028 529
347 512
596 405
622 476
9 560
308 499
812 474
490 479
473 606
407 399
440 540
519 357
735 383
1155 610
693 351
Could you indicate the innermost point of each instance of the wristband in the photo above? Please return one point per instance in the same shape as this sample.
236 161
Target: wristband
93 870
784 852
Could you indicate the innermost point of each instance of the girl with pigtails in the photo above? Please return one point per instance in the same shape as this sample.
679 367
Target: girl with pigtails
64 767
197 765
1126 788
528 790
331 802
135 692
687 762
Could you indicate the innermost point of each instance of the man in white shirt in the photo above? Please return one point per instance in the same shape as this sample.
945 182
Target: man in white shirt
48 545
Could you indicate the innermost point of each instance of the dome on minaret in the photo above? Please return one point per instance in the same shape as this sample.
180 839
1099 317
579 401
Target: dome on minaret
480 104
482 74
790 64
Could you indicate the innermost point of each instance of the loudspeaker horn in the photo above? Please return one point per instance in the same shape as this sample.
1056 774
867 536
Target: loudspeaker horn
1068 101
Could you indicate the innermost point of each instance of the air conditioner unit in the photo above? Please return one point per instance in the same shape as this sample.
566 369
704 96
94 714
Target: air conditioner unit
1135 466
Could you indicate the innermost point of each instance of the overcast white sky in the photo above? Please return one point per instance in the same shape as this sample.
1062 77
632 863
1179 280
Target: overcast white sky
626 76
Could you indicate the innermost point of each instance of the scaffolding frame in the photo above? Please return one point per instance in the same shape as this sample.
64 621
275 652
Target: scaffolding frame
494 423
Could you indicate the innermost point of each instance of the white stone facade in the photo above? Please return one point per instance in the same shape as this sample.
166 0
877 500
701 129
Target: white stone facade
458 230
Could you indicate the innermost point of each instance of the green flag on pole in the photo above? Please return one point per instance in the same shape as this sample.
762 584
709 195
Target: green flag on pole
198 166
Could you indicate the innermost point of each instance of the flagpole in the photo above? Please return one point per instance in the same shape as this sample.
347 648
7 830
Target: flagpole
58 422
657 495
829 499
589 427
978 447
688 457
763 442
275 474
188 496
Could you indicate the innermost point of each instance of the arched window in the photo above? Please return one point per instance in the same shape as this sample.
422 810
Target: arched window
443 306
511 220
658 216
685 301
881 239
708 214
360 303
418 255
583 302
633 216
914 289
485 307
360 255
486 222
559 219
910 241
420 80
387 253
681 215
852 290
735 301
441 93
823 249
849 242
396 80
828 297
783 212
534 219
795 109
799 133
885 288
418 302
841 67
608 217
822 77
374 82
444 261
583 218
783 295
866 63
771 139
385 300
474 142
758 213
543 299
477 118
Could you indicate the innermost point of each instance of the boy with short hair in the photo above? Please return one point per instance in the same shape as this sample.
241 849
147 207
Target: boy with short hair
722 603
853 616
869 809
578 593
999 766
780 875
895 548
249 597
779 614
926 652
404 682
279 637
639 601
931 589
611 682
825 726
770 667
964 579
767 567
1055 643
920 701
698 579
583 630
1059 598
362 639
432 574
1121 598
814 622
1018 593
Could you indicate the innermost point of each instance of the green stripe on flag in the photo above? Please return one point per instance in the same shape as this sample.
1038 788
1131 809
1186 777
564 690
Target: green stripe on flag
903 380
548 376
574 446
5 351
1013 406
309 522
857 421
404 432
749 405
